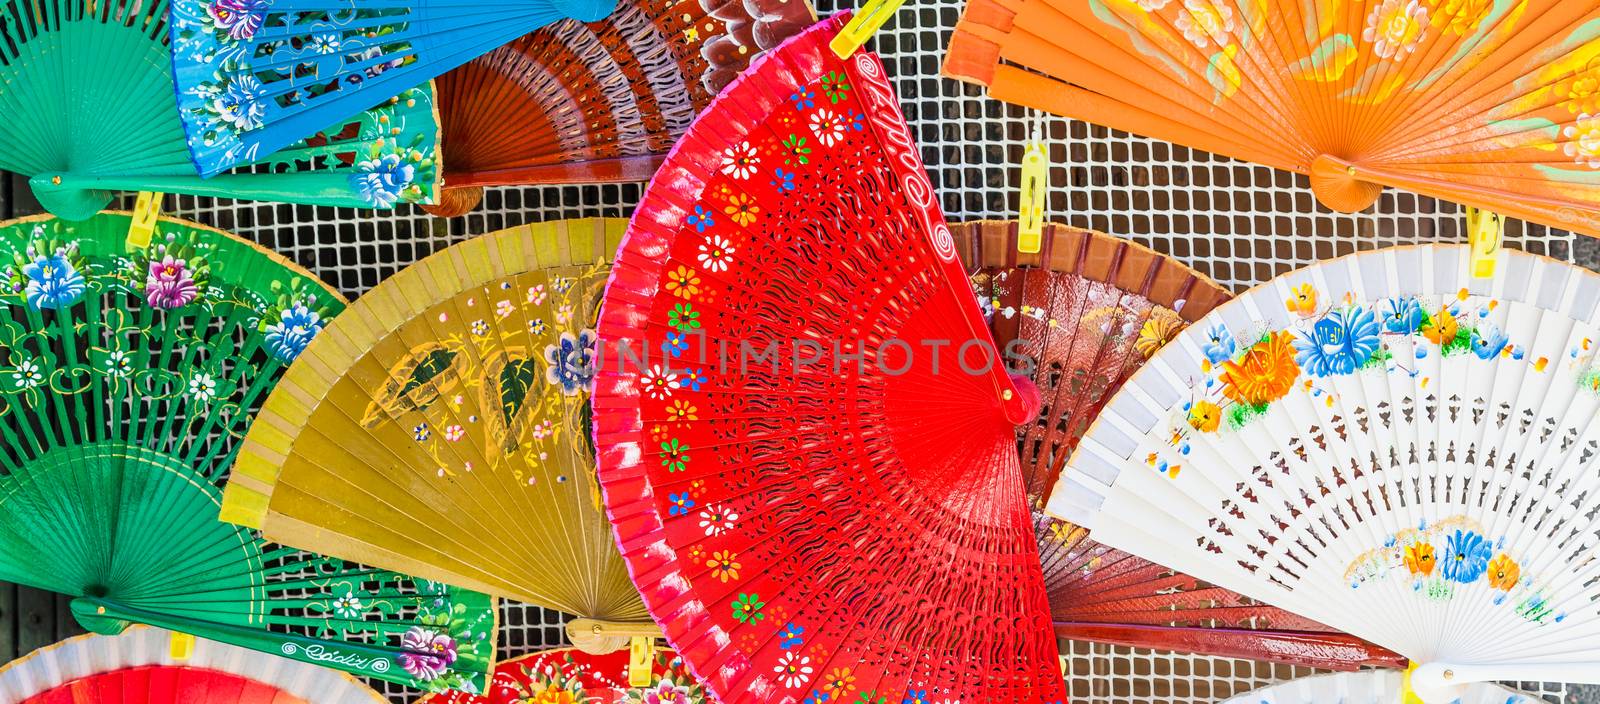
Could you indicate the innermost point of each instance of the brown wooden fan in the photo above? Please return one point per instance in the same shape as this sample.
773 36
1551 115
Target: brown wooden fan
600 101
1080 317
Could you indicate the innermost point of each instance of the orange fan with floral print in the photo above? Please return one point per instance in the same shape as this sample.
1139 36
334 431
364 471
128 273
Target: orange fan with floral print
1494 104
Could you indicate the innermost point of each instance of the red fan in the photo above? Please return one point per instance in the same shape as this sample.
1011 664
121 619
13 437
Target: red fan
598 101
571 676
164 685
1080 317
814 475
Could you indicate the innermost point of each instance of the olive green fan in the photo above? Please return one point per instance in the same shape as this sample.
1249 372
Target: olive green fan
88 107
129 375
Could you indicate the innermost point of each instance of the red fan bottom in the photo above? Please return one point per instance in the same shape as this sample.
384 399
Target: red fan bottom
160 684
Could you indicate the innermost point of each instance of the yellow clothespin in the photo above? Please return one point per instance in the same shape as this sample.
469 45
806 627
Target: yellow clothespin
641 660
181 646
145 211
1407 694
1485 231
863 25
1035 186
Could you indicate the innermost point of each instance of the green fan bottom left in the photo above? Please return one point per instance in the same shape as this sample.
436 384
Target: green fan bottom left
128 377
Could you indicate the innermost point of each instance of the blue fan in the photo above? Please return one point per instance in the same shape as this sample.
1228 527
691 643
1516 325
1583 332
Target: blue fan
253 76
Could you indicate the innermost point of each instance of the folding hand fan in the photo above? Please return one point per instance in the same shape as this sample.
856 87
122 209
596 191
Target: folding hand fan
88 109
816 497
253 76
441 426
601 101
1382 444
1371 687
128 376
571 676
1491 103
1080 317
138 667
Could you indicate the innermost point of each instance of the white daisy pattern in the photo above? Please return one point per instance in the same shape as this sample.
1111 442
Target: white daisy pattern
659 383
828 126
793 670
715 253
27 374
740 160
716 520
203 387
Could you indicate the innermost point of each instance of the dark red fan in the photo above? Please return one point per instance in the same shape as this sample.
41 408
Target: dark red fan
1079 317
813 474
598 101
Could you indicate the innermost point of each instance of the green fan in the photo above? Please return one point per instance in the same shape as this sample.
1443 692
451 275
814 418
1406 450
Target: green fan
87 107
128 377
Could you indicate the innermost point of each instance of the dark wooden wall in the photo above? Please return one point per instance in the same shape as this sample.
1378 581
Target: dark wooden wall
29 618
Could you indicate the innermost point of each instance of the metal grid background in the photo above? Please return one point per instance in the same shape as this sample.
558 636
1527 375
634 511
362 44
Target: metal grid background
1241 224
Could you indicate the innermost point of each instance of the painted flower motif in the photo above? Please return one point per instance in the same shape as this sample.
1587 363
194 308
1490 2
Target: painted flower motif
679 504
791 636
552 694
1419 559
348 606
479 328
1151 5
1302 300
1339 343
684 317
1220 345
1583 89
740 160
1264 374
836 86
1402 315
1442 329
667 692
288 337
169 285
915 696
381 181
118 365
693 379
1396 27
1155 333
1205 416
1465 15
793 670
1466 557
674 455
326 42
1583 140
503 309
427 653
681 411
828 126
1504 573
803 99
537 326
570 362
716 520
1205 19
782 180
1488 340
724 565
239 19
53 282
659 383
675 344
239 102
454 433
536 295
701 219
717 252
203 387
419 432
27 374
795 146
839 682
564 314
747 608
683 282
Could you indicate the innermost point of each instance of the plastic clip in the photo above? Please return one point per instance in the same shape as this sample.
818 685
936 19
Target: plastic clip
1486 231
862 26
180 646
641 660
1035 186
145 211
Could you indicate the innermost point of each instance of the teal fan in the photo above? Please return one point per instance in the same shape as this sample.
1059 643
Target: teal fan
88 107
128 377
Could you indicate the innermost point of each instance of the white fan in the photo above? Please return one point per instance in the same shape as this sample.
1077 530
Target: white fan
1369 687
96 660
1383 444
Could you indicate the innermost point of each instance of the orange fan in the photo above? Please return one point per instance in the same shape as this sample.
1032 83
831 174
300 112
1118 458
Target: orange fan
1079 318
1490 103
602 101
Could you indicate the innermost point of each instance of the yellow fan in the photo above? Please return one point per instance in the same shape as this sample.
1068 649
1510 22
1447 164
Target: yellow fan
441 426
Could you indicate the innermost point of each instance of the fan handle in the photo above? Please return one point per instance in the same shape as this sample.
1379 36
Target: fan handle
1438 682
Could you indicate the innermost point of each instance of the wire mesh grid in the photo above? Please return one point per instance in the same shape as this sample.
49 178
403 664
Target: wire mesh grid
1240 224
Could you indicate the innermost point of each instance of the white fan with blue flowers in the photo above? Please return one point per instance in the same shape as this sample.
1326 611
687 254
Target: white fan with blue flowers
1383 444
